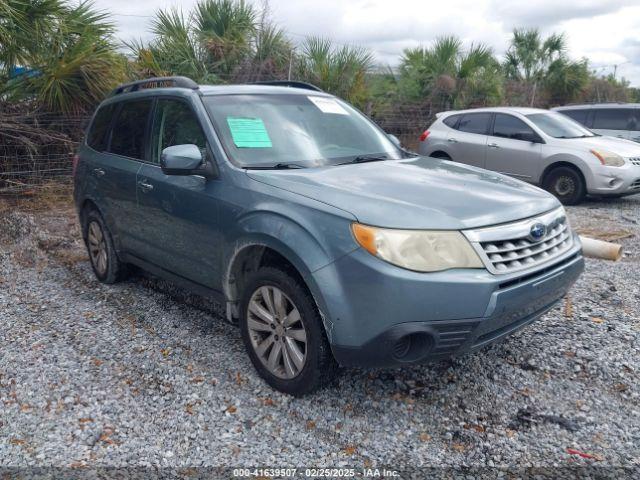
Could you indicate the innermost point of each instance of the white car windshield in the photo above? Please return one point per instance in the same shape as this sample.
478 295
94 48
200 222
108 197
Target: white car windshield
559 126
292 130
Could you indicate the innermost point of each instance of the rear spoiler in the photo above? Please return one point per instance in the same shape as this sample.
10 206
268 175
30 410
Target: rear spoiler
439 114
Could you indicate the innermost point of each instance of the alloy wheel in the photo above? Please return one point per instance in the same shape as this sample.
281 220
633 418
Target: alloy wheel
97 248
277 332
565 186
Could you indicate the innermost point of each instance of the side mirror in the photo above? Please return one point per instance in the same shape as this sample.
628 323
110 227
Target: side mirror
395 140
185 160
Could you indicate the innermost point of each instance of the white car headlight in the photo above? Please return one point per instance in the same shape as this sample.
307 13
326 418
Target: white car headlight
418 250
609 159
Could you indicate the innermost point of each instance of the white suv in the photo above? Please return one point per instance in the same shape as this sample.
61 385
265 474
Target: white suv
621 120
538 146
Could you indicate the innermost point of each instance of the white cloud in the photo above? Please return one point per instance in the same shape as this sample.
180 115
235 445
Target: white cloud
606 32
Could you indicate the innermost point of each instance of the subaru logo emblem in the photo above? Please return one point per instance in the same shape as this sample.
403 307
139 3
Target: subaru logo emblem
537 232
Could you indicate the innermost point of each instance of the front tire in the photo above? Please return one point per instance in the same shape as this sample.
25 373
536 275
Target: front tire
567 184
283 333
105 263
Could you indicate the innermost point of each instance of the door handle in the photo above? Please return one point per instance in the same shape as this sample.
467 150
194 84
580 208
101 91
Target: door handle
98 172
144 186
452 140
493 145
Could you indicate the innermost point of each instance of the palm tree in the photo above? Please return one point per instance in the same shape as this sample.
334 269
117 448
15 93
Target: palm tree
225 29
534 60
24 26
338 70
175 49
70 55
450 75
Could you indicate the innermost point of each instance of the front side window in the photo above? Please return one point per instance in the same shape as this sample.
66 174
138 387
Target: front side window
474 123
558 125
508 126
612 118
259 130
175 123
98 136
128 135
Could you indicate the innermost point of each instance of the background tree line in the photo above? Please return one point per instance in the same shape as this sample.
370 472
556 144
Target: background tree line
64 58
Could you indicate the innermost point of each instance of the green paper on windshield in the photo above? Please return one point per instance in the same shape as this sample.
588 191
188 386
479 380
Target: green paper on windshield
249 132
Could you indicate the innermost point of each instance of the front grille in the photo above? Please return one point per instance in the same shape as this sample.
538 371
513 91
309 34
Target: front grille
510 247
635 185
635 161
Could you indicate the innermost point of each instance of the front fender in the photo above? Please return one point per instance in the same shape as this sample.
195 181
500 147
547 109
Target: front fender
309 243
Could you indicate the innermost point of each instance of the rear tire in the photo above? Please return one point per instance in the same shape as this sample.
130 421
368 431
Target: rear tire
567 184
105 263
283 333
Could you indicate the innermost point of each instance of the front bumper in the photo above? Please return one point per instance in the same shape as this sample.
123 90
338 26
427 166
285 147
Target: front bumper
623 180
411 318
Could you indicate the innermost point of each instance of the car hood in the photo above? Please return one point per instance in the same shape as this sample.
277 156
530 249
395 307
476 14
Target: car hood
417 193
625 148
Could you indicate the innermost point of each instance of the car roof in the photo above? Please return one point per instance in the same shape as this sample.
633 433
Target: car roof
206 90
598 105
180 85
520 110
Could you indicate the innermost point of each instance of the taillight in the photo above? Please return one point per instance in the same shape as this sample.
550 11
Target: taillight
74 164
424 135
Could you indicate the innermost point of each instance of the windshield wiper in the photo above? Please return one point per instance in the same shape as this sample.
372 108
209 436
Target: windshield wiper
277 166
365 159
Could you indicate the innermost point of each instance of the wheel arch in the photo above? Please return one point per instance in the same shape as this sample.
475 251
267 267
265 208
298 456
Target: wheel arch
440 154
562 163
255 252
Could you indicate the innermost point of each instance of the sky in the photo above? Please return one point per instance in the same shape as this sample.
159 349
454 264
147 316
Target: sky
607 32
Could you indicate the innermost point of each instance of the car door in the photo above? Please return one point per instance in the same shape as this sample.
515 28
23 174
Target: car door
116 169
467 143
614 122
179 216
510 148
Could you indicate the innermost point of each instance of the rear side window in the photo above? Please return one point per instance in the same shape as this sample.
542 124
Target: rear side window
579 115
612 118
175 124
508 126
98 136
474 122
451 121
128 135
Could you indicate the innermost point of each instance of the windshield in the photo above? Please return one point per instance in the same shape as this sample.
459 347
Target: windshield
559 126
295 130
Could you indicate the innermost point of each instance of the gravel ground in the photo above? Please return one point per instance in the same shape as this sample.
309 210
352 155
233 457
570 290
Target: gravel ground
143 374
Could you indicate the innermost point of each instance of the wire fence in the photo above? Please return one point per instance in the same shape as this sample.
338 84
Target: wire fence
36 150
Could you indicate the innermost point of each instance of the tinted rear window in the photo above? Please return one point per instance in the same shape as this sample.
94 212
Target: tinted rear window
98 134
612 118
127 137
474 122
451 121
579 116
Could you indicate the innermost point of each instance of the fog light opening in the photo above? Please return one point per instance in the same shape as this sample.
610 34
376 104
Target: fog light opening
413 347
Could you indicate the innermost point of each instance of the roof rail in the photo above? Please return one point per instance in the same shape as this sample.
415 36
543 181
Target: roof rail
291 84
155 82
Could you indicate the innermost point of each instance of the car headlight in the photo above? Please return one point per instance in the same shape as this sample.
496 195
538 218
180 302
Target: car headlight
609 159
418 250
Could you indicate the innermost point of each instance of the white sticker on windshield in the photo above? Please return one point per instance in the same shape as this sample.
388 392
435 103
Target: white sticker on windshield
328 105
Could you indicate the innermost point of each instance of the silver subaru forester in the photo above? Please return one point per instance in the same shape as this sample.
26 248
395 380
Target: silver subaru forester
538 146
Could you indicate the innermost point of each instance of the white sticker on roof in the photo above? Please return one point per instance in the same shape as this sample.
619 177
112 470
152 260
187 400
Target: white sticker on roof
328 105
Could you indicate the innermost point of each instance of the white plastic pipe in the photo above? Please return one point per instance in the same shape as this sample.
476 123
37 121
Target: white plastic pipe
598 249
